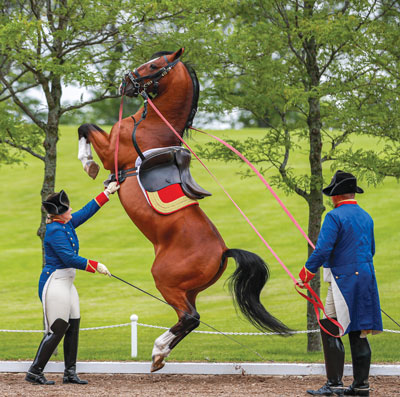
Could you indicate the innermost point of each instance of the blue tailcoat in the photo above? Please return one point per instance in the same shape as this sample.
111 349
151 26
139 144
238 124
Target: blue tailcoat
346 246
61 244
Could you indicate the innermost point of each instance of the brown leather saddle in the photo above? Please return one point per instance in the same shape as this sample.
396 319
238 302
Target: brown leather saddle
167 167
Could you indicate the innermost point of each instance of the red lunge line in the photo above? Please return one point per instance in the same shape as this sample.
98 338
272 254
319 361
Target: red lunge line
262 180
219 184
117 140
316 302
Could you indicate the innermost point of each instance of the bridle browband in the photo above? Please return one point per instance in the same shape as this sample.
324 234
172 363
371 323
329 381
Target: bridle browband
136 79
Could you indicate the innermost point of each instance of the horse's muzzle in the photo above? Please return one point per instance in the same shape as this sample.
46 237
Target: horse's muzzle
129 89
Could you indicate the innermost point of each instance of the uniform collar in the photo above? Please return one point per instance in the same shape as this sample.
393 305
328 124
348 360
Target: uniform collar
60 221
345 202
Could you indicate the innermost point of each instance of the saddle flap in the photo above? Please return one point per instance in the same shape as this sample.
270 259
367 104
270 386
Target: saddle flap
189 186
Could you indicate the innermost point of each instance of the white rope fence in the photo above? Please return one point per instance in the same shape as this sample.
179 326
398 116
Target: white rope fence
134 324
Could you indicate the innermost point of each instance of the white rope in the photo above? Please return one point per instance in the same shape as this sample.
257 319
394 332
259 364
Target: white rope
233 333
199 332
20 330
81 329
105 327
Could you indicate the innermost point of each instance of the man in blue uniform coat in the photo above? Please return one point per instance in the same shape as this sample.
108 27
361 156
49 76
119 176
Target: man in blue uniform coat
345 249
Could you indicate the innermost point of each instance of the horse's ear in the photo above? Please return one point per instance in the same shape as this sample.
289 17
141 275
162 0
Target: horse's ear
179 53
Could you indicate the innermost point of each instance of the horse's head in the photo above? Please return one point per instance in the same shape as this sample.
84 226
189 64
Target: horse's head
147 76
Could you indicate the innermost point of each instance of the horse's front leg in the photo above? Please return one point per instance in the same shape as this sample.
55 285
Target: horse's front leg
91 133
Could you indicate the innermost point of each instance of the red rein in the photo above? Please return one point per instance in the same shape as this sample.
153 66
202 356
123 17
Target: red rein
117 140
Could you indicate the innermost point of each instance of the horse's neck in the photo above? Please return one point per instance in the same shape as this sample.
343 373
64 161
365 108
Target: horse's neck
175 105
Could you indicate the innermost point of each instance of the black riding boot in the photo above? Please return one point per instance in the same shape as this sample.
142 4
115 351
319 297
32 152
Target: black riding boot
71 352
334 362
45 350
361 358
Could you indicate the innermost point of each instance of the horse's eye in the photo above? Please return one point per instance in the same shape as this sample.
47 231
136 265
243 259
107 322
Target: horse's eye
153 66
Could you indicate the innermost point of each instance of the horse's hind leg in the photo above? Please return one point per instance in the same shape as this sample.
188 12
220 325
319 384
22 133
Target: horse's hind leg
188 321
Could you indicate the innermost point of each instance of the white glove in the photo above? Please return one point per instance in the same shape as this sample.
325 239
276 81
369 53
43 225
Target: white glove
300 283
111 188
103 269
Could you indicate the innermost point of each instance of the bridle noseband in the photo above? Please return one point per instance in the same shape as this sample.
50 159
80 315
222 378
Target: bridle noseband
136 79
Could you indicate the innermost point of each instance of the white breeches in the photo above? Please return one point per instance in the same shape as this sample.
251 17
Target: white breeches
330 303
61 298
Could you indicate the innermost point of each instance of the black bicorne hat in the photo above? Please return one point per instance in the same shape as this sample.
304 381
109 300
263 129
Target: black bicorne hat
56 203
342 183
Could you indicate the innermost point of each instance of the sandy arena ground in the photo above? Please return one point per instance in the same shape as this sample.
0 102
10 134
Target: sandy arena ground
184 385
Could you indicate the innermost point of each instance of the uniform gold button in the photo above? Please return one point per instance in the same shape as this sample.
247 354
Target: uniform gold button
357 273
337 276
47 273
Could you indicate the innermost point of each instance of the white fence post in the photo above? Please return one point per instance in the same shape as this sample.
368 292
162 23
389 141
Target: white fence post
134 319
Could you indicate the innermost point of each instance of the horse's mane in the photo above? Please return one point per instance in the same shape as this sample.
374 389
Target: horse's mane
196 88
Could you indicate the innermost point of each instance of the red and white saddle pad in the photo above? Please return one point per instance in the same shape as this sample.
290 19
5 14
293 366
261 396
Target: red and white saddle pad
169 200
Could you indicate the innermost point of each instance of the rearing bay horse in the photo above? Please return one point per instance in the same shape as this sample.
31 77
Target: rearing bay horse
190 254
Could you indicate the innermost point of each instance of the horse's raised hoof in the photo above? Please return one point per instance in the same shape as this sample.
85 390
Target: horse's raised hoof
157 364
92 169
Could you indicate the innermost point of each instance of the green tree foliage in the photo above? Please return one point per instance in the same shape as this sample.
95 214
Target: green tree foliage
47 45
319 73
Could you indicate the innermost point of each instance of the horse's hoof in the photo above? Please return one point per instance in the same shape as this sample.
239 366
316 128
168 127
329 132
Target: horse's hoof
92 168
157 364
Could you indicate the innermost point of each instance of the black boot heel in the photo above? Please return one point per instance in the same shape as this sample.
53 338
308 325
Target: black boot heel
39 379
71 352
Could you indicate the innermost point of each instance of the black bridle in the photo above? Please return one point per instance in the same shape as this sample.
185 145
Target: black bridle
153 79
139 87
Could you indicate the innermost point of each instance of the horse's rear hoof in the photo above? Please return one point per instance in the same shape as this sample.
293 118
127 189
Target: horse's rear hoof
157 364
92 168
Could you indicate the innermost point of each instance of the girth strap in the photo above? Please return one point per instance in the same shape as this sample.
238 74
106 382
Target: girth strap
122 175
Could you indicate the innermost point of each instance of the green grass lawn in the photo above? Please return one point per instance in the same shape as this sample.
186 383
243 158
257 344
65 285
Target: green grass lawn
112 238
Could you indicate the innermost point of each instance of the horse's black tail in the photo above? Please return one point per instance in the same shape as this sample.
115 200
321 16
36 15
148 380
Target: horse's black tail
245 285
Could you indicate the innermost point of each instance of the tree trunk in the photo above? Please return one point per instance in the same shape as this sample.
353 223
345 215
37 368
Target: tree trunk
49 179
53 97
315 201
316 209
50 165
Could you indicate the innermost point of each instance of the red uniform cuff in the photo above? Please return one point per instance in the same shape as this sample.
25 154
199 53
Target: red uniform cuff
101 199
305 275
91 266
